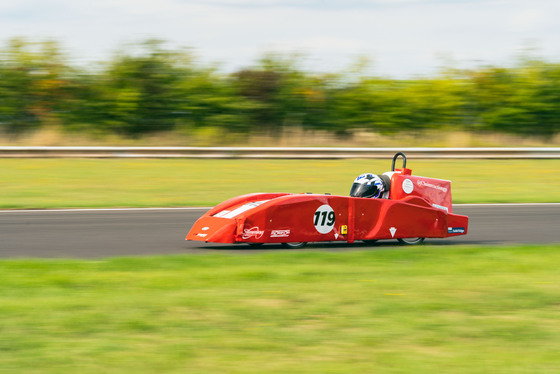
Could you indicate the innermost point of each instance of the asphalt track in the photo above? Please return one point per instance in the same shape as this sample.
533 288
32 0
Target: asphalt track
106 233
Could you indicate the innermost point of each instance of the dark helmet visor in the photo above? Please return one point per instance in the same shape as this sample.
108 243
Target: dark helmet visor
363 190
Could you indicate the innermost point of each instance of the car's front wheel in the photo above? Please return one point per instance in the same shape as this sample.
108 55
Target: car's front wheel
294 245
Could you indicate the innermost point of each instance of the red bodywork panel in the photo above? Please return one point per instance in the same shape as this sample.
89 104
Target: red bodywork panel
417 207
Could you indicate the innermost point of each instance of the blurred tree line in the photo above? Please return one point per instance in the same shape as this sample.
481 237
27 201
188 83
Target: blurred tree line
150 89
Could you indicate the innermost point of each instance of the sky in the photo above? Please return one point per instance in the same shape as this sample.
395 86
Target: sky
400 38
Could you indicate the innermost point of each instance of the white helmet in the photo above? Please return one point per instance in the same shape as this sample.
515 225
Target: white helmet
367 185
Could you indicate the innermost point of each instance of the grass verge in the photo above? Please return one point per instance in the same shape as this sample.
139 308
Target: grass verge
57 183
422 310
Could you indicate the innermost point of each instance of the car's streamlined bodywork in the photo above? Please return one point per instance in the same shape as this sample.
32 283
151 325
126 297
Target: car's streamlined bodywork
416 208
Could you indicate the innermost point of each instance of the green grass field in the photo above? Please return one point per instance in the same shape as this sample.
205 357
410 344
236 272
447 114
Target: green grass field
408 310
57 183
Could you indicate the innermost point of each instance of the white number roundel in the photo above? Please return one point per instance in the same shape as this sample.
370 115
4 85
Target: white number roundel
323 219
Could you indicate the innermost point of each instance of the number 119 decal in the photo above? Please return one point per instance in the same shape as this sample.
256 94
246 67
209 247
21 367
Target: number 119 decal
324 219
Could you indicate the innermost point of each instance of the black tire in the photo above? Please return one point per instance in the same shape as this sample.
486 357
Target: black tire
410 241
294 245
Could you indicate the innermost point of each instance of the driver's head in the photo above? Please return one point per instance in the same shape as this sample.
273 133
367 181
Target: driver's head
367 185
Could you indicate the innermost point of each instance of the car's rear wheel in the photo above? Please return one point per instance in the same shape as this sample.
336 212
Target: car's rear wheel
410 241
294 245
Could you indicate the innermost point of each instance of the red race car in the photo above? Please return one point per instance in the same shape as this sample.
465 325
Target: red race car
394 205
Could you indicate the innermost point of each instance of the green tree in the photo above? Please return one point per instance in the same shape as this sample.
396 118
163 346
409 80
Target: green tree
35 84
141 89
280 94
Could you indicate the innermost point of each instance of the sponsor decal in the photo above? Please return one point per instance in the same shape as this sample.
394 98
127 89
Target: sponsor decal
205 228
392 230
280 233
343 230
324 218
440 207
202 235
423 183
455 230
407 186
253 232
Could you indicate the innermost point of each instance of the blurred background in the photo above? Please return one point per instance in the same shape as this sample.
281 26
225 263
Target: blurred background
301 73
354 73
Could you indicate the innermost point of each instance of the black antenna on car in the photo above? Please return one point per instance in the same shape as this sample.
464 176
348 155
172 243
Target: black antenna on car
395 159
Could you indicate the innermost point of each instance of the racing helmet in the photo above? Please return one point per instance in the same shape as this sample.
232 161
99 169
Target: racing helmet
367 185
